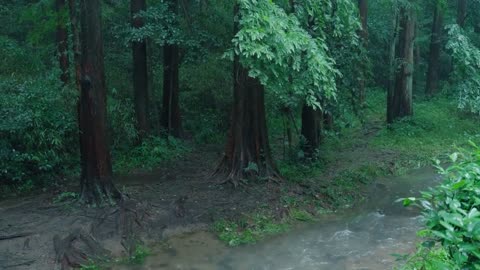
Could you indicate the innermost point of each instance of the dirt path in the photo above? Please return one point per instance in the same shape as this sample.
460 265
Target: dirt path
179 197
171 200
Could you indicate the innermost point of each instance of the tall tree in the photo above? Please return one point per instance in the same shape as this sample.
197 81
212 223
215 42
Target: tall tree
435 48
170 119
461 12
312 126
363 8
62 39
140 71
247 152
400 100
96 168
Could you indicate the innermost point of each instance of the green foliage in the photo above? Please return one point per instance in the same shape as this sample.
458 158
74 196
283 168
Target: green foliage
466 58
284 56
149 154
38 130
434 258
139 256
451 210
433 131
65 197
248 230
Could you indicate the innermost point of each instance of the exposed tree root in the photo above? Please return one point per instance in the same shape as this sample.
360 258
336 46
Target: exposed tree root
76 249
13 236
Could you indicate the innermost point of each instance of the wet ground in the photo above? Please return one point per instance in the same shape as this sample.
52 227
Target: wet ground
366 237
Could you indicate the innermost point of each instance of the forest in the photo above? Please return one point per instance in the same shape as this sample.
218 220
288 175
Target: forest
240 134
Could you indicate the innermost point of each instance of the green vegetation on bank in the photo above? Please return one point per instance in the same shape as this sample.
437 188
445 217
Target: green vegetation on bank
452 216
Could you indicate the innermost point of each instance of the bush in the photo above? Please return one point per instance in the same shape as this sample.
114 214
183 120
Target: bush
38 130
451 210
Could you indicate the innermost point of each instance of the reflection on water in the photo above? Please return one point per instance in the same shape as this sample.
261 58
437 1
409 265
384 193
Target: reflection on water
360 239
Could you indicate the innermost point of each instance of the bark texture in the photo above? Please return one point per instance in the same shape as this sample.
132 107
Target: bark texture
62 40
96 168
400 103
312 126
461 12
247 152
140 71
363 8
170 119
434 55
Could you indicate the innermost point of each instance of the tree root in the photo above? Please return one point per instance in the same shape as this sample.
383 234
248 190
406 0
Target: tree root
13 236
76 249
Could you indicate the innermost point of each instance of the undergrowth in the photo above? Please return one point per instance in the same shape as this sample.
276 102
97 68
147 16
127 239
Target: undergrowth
149 154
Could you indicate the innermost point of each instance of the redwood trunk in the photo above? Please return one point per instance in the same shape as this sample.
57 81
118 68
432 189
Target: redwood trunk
363 8
62 40
434 55
140 71
401 101
170 119
461 12
96 169
247 152
312 122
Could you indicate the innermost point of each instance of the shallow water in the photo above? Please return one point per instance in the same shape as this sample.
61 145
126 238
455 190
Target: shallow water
359 239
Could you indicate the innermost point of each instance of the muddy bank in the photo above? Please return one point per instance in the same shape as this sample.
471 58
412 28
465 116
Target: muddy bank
177 198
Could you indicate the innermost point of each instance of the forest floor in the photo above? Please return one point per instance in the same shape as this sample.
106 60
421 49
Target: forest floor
48 230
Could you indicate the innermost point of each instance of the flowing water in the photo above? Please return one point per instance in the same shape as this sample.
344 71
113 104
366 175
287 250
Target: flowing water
359 239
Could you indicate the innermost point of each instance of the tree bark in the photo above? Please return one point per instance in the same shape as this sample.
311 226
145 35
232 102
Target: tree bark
312 126
461 12
96 169
392 66
140 71
170 119
363 8
247 152
434 55
62 40
401 101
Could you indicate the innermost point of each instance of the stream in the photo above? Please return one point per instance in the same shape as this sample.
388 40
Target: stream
362 238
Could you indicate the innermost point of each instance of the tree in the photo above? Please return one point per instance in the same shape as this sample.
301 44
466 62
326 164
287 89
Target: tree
363 8
461 12
247 152
96 169
62 39
140 72
312 126
170 119
434 55
400 100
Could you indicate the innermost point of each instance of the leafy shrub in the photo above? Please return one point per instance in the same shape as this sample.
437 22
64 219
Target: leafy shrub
38 130
466 58
149 154
451 210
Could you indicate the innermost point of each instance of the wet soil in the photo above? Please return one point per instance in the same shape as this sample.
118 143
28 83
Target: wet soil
177 198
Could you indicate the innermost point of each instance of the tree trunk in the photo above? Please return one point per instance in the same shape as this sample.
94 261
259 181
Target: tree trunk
312 126
401 101
247 152
363 8
434 55
461 12
96 169
140 71
170 120
74 25
62 40
392 66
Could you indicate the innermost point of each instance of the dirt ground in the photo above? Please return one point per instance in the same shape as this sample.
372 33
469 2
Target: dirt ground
179 197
